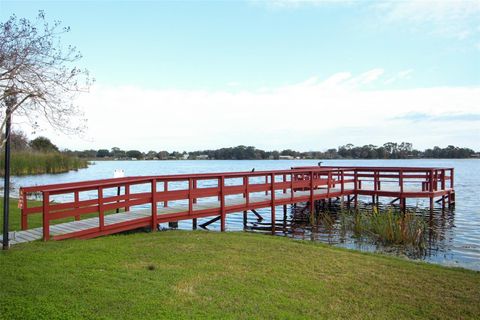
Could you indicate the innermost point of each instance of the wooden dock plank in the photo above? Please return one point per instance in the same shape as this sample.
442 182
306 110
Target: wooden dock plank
31 235
37 232
23 237
59 229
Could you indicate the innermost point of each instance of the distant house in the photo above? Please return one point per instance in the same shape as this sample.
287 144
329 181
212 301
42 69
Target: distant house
286 158
202 157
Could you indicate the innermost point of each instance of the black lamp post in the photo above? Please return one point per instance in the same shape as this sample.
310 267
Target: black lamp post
10 101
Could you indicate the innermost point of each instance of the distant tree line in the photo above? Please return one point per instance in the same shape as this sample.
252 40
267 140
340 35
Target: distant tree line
389 150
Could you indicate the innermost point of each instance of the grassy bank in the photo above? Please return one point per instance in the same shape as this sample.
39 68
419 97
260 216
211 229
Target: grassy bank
29 163
15 217
181 274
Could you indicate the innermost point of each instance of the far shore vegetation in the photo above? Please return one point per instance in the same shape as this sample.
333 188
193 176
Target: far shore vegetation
389 150
41 156
38 156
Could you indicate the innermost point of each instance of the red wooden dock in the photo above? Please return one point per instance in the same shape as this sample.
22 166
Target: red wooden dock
102 207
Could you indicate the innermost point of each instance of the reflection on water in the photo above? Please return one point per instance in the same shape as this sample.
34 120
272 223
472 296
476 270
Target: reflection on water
453 236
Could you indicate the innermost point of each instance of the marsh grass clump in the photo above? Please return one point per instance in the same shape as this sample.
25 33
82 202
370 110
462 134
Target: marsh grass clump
326 219
388 226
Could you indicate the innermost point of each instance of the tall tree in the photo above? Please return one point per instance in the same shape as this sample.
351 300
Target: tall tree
38 71
43 144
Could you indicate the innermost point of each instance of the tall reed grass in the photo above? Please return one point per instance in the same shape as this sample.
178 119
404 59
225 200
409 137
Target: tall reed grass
29 163
389 226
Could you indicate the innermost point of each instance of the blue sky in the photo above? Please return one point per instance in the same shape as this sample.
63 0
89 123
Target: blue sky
230 64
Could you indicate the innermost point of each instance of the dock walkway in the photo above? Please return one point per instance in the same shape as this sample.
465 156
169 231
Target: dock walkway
149 201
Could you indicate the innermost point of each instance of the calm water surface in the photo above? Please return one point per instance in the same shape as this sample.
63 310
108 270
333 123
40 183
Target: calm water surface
455 234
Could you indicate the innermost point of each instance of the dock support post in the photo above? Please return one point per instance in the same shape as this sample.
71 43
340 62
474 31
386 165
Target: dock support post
101 211
45 217
273 218
312 203
222 204
165 189
154 222
77 199
23 197
194 223
127 200
431 204
403 205
245 219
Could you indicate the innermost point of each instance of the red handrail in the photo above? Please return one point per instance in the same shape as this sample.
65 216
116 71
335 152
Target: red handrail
301 179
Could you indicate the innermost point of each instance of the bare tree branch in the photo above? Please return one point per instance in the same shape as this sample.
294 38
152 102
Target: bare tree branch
38 70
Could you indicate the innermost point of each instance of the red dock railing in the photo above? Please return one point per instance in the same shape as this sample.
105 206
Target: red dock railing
171 198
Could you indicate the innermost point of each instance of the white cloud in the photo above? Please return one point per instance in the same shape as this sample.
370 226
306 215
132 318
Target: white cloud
298 3
401 75
455 18
366 77
433 10
314 114
404 74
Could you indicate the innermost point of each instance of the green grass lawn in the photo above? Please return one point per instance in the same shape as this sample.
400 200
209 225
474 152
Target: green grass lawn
182 274
34 220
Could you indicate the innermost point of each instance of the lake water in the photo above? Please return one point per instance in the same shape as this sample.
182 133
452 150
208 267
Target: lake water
455 239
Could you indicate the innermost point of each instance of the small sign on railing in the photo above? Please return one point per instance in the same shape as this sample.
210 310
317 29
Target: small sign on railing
20 200
119 173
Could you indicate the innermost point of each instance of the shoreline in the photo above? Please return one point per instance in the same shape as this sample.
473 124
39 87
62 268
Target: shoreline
35 221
